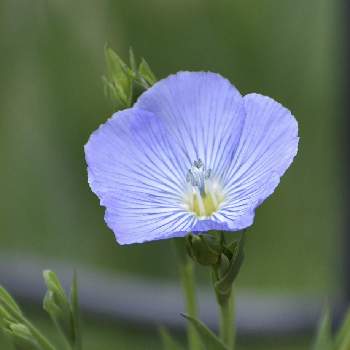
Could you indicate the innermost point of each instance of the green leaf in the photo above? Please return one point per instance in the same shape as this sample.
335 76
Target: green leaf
146 73
209 339
342 340
323 339
168 342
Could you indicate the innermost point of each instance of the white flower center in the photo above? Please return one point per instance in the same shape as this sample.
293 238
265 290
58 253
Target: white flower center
204 195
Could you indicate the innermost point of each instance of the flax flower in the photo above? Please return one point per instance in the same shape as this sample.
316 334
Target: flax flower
191 155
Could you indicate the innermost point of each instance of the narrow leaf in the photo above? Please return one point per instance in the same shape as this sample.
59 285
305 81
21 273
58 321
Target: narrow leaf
209 339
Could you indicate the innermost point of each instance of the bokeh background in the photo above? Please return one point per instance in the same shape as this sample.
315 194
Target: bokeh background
51 99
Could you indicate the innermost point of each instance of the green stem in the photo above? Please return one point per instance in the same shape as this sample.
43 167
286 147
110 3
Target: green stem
41 339
186 271
227 322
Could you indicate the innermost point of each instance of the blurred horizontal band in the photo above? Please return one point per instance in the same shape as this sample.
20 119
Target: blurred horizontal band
144 302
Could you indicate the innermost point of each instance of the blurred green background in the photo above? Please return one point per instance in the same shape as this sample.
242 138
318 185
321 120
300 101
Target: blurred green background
51 99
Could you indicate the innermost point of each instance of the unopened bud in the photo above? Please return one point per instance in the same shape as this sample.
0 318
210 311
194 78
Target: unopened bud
21 336
56 304
204 249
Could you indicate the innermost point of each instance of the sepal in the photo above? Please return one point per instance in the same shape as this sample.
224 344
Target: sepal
225 273
146 73
205 249
119 79
211 249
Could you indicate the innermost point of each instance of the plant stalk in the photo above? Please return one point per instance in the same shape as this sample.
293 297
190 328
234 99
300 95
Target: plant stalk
186 271
227 330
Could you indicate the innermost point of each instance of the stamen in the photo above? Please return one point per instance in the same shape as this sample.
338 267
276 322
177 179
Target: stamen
212 193
197 175
204 195
199 200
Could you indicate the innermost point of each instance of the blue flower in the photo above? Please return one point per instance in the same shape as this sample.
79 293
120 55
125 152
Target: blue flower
192 155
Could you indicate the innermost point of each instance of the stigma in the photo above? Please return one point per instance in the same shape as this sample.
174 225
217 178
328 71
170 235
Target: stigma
204 194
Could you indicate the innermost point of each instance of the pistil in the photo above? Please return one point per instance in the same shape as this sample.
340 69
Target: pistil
205 194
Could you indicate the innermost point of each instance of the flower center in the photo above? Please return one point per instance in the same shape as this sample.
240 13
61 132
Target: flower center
204 195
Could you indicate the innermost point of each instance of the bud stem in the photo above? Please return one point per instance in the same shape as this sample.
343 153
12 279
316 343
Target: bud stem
227 321
41 339
185 266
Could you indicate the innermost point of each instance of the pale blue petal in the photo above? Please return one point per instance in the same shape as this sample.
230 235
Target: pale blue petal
138 160
139 174
247 142
267 146
203 111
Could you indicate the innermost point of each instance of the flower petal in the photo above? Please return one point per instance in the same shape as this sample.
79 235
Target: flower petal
139 175
203 111
268 144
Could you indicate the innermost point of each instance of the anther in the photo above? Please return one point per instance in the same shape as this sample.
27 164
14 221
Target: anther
197 175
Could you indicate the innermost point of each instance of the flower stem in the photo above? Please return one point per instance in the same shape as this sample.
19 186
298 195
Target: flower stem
227 322
41 339
186 271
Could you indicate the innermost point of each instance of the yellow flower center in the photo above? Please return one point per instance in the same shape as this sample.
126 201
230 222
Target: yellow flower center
204 195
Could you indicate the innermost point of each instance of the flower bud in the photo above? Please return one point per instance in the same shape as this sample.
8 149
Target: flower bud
56 304
204 248
21 336
119 79
228 268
